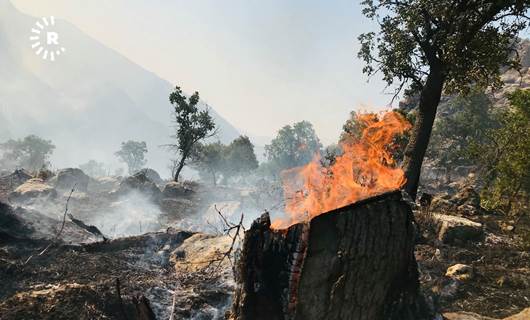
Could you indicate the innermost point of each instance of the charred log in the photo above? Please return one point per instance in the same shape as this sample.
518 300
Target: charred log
92 229
355 262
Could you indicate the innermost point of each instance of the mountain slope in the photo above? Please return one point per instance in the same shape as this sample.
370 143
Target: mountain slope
88 101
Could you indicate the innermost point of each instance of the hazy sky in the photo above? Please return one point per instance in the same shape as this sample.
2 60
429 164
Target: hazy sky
260 64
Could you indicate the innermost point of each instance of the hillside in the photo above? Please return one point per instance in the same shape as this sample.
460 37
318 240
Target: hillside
88 101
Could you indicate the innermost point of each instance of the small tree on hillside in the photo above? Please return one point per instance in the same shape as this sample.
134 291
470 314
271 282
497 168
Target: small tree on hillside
209 160
32 153
192 125
465 120
133 154
504 158
240 157
93 168
430 46
293 146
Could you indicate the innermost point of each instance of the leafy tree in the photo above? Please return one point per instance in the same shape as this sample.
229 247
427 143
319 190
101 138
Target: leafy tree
352 128
504 157
193 126
32 152
240 157
231 160
429 46
465 119
293 146
133 154
93 168
209 159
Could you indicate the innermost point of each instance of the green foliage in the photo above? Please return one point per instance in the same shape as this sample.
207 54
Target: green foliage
463 120
236 159
193 125
133 154
240 157
504 157
352 129
209 159
31 153
293 146
465 41
93 168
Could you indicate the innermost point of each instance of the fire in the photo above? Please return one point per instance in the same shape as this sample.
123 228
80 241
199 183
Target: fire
365 168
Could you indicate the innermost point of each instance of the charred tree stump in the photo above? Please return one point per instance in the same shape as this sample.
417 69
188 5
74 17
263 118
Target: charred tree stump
356 262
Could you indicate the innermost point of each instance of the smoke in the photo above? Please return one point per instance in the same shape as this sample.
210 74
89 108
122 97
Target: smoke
129 215
132 214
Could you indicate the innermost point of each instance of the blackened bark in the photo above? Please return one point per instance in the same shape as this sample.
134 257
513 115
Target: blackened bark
421 133
353 263
143 309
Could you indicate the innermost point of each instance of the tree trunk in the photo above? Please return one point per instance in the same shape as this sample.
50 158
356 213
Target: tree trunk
353 263
180 166
421 133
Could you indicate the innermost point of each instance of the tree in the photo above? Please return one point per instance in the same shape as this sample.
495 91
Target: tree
209 159
429 46
93 168
192 126
240 157
133 154
465 119
293 146
352 128
504 158
32 152
231 160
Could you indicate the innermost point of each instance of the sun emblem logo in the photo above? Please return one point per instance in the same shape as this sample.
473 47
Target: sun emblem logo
45 39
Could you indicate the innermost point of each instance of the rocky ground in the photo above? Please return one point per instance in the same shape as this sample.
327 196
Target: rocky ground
472 262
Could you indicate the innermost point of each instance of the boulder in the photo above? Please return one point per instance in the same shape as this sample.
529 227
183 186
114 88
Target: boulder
104 184
523 315
460 272
453 229
141 183
22 223
152 175
31 189
200 251
16 178
175 189
464 316
70 177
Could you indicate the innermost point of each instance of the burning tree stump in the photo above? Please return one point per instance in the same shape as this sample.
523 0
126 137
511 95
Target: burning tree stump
356 262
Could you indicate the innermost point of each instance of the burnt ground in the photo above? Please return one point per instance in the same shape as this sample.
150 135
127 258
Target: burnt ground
79 282
500 286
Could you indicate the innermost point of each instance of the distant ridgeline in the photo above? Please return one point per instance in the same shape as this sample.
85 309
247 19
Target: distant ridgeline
87 101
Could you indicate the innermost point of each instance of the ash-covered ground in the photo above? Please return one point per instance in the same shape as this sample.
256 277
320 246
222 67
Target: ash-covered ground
135 239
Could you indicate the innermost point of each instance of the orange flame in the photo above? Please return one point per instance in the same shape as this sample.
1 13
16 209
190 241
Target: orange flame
366 168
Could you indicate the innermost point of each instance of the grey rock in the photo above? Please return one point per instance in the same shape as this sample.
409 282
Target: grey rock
453 229
71 177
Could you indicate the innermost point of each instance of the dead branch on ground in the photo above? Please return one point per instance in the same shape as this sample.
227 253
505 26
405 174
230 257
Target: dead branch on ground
56 238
